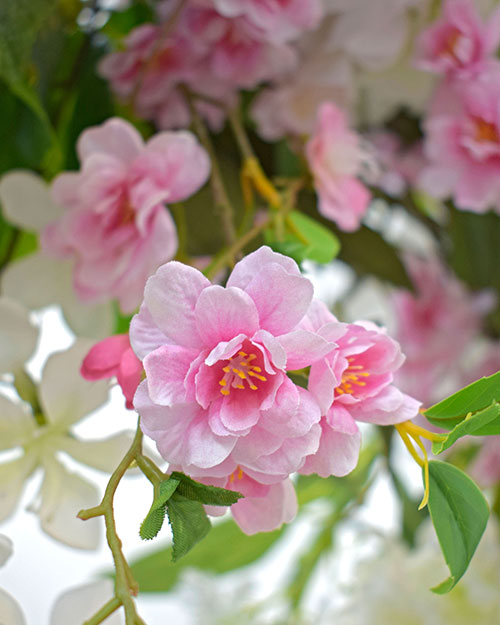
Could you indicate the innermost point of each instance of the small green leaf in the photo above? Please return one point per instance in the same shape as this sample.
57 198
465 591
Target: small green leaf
155 572
189 523
153 522
305 238
459 513
482 423
477 396
208 495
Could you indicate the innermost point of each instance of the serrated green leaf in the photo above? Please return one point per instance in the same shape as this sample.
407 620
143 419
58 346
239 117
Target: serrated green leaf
153 522
477 396
459 513
205 494
189 523
156 573
483 423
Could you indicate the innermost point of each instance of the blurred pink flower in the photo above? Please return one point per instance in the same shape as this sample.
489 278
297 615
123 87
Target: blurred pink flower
335 156
459 43
116 227
435 326
354 382
216 394
113 357
463 145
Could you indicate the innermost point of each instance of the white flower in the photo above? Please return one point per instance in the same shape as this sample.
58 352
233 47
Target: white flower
18 337
78 604
64 398
10 612
392 588
37 280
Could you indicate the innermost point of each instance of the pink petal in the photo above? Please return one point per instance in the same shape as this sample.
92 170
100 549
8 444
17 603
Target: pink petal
246 269
145 335
390 406
129 376
221 314
116 137
170 296
166 370
103 358
303 348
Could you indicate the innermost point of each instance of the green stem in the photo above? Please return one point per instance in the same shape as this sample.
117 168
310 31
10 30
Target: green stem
104 612
11 246
222 202
150 470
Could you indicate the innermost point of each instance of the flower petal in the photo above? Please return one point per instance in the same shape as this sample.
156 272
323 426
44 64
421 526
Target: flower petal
12 477
78 604
26 200
303 348
63 495
170 296
166 369
65 396
103 455
145 335
18 336
116 137
10 610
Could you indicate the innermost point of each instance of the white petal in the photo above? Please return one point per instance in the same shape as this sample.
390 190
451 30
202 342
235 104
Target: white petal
16 424
12 477
18 336
93 322
10 610
64 394
63 495
80 603
103 455
26 200
5 549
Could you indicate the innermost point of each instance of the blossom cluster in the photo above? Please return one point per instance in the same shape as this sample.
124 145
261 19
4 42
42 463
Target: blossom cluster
218 398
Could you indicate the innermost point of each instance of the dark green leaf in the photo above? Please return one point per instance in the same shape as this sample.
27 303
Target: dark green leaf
224 549
483 423
208 495
477 396
189 523
153 522
459 513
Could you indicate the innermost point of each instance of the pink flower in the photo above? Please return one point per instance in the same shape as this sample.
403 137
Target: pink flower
213 55
353 382
216 395
335 157
435 326
113 357
116 226
463 146
280 20
459 43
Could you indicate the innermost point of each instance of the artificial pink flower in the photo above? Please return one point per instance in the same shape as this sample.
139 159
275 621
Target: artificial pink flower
459 43
280 20
113 357
212 55
463 146
335 157
116 226
354 382
216 394
435 326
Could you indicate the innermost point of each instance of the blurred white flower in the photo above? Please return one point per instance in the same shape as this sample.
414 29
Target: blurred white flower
10 612
18 336
37 280
392 588
64 398
78 604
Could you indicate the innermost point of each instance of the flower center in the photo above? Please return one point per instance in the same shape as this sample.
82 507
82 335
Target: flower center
240 370
351 378
450 44
236 474
486 132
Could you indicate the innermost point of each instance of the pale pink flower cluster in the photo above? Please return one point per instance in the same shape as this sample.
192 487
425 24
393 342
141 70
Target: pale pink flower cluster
116 226
212 47
435 326
462 129
335 156
217 398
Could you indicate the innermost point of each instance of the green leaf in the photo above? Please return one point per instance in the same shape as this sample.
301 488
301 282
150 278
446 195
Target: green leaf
208 495
477 396
156 573
459 513
153 522
189 523
305 238
20 22
482 423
